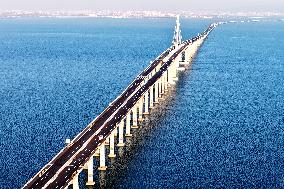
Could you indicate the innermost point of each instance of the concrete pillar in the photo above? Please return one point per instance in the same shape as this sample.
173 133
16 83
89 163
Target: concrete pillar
140 118
163 84
186 57
75 181
160 87
151 97
166 80
111 146
146 100
178 62
134 111
174 69
90 165
128 134
115 132
120 134
102 158
175 66
169 74
157 91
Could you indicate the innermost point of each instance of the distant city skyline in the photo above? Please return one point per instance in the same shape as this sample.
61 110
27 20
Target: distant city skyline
160 5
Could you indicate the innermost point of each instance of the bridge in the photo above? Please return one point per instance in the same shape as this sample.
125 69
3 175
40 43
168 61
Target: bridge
120 119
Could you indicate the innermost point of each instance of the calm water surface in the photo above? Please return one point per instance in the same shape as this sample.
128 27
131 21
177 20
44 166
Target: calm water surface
222 127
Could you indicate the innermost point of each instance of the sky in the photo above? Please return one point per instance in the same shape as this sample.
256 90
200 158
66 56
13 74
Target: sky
161 5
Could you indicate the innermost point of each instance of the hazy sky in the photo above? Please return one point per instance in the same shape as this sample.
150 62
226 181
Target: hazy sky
173 5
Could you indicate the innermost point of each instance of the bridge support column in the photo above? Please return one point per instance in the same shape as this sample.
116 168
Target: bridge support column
151 97
128 134
169 74
186 56
156 92
120 134
163 83
75 182
102 158
90 165
169 78
146 96
175 67
115 132
111 146
160 87
140 110
134 111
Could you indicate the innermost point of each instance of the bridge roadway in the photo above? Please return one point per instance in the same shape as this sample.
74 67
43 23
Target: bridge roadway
61 169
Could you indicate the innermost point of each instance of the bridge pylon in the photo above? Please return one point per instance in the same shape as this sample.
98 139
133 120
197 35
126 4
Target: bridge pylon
177 39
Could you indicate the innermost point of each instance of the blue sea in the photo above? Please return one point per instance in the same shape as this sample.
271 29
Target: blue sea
221 126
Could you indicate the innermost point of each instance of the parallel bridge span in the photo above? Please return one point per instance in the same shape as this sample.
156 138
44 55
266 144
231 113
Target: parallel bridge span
136 99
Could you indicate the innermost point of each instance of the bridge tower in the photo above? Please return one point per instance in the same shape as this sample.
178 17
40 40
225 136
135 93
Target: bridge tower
177 34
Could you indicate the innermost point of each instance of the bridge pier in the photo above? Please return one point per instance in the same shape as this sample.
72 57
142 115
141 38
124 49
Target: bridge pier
166 81
156 101
140 104
134 112
111 146
102 158
171 75
175 68
186 56
183 61
146 97
75 182
115 132
90 166
120 133
160 88
128 134
162 85
151 97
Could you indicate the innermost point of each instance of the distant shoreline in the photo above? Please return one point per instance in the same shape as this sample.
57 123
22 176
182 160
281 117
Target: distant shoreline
135 14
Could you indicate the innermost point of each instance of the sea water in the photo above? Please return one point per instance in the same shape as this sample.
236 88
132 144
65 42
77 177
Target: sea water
222 124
